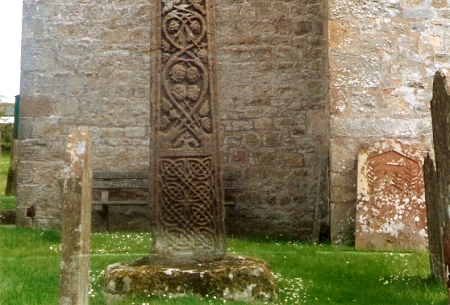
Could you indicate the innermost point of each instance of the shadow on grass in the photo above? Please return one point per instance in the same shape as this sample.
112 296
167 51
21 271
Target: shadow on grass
265 239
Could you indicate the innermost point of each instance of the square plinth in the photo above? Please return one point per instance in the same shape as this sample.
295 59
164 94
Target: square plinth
232 278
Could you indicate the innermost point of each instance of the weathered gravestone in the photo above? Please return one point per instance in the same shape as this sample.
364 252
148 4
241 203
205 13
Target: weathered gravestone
76 220
186 192
436 222
437 180
391 211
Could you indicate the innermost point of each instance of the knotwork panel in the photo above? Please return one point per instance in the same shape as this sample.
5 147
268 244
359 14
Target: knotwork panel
186 188
188 202
185 99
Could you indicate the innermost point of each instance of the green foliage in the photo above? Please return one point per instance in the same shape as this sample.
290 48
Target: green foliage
306 274
4 167
6 203
7 135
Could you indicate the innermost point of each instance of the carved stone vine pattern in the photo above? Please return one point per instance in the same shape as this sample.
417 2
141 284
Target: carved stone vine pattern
389 178
186 187
186 100
188 210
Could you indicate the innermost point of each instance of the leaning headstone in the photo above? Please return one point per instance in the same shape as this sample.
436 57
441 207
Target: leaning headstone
437 180
390 211
435 220
186 189
76 220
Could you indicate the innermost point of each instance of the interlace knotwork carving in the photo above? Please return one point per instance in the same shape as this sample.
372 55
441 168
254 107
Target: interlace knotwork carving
186 189
188 201
186 98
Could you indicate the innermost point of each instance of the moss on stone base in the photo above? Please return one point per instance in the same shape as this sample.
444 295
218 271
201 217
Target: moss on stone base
232 278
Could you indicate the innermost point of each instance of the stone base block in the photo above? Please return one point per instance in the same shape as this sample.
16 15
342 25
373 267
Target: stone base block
232 278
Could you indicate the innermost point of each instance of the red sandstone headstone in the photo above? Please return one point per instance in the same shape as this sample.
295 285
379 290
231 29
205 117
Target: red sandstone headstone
76 221
390 211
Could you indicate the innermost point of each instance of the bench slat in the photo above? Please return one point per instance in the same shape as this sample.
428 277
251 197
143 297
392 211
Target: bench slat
120 175
120 202
120 184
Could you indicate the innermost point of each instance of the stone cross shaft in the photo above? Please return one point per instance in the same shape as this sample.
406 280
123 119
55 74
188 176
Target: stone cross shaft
186 189
76 220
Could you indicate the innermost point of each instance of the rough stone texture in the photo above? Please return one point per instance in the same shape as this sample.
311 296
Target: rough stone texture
382 57
436 222
390 210
437 181
186 188
87 64
76 220
273 85
233 278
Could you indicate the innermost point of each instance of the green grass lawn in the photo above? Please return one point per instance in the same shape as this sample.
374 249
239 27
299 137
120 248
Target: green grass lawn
306 274
4 166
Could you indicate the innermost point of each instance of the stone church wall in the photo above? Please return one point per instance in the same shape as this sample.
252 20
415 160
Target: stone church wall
86 64
273 86
382 58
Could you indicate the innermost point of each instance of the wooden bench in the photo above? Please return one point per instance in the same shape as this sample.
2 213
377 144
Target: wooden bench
107 181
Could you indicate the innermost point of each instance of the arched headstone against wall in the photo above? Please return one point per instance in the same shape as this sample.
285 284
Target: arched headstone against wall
390 211
436 180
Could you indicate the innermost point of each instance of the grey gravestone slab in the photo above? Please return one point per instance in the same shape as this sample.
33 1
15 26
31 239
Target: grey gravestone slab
437 180
435 222
186 190
76 220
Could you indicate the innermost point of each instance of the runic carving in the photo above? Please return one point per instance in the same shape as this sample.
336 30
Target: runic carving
186 98
188 201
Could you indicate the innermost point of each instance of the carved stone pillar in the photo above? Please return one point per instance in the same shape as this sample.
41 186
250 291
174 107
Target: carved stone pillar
186 192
